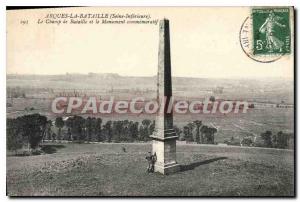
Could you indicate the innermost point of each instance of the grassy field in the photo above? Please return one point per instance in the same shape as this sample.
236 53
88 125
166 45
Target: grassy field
106 170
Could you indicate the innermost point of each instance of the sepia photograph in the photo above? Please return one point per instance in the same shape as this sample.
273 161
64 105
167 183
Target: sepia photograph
150 101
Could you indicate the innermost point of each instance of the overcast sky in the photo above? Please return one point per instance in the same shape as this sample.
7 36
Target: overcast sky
204 43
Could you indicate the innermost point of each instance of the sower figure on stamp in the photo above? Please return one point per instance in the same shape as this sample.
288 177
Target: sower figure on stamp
268 28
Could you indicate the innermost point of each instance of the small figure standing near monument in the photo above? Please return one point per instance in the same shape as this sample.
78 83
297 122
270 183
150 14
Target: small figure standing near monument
151 162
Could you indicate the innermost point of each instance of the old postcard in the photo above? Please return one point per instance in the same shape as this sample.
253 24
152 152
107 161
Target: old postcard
150 101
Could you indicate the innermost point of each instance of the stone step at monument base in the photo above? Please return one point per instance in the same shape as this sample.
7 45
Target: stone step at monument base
167 168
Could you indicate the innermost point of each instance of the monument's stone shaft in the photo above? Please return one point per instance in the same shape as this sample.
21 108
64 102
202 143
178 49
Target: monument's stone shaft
164 136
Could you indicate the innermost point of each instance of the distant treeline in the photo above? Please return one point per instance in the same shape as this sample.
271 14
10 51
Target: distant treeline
15 92
277 140
268 139
21 92
30 130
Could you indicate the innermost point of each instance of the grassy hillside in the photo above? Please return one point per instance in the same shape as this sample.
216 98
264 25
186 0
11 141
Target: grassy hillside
106 170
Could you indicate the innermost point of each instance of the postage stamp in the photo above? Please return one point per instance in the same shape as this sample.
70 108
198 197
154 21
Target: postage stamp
265 35
271 31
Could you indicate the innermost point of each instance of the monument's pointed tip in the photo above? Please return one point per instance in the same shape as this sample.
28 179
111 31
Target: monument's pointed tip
164 19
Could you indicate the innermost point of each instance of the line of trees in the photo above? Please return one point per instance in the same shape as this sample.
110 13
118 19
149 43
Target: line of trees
29 130
79 129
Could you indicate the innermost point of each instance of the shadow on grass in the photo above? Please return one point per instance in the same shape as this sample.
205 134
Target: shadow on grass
199 163
50 149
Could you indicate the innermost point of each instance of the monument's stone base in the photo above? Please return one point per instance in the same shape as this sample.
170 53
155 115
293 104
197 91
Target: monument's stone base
167 168
165 150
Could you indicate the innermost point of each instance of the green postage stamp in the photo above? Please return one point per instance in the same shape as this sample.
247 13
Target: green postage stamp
271 31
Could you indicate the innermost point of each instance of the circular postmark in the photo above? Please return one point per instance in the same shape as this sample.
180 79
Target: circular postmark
247 45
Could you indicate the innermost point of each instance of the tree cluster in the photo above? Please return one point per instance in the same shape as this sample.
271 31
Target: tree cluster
277 140
197 132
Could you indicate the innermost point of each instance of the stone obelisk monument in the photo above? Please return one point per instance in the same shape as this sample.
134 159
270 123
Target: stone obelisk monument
164 136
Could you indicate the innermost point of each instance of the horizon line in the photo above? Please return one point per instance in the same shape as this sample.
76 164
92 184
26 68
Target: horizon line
198 77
